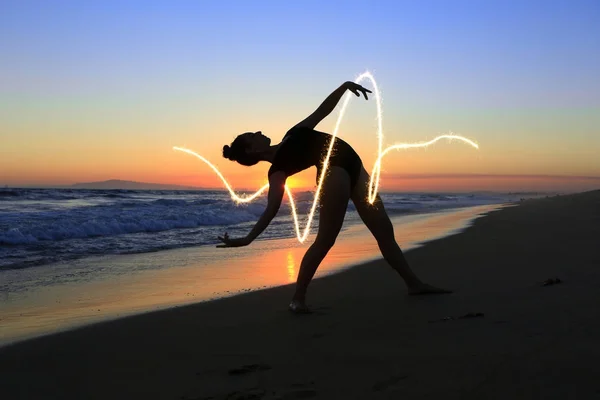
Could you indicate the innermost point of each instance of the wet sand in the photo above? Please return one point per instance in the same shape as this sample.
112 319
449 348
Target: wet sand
367 338
59 297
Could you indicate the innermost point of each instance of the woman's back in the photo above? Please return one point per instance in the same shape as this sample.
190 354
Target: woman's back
302 148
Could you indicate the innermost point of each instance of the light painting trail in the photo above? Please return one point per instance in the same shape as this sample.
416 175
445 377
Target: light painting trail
375 173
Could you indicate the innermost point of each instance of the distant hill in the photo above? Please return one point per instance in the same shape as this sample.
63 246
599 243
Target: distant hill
130 185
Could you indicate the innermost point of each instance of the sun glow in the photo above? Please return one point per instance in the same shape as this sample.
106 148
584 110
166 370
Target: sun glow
375 172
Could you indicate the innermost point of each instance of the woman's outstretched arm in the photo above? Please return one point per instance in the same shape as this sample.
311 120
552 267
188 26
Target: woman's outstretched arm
276 191
330 103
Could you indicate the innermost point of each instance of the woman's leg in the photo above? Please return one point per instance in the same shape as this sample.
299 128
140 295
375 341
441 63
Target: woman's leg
333 202
376 219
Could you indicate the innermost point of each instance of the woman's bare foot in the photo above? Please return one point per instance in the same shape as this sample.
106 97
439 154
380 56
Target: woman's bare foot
424 288
298 307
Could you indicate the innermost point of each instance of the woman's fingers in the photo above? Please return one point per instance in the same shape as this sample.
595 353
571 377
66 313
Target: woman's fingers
225 240
224 237
364 92
226 243
358 89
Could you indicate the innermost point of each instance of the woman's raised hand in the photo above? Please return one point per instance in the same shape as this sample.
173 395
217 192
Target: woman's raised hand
357 89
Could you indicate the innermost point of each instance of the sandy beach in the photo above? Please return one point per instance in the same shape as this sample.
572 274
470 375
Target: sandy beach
367 339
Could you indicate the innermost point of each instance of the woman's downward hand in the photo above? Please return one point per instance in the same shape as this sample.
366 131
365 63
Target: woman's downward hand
228 242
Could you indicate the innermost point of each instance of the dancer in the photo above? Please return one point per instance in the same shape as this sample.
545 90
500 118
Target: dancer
346 179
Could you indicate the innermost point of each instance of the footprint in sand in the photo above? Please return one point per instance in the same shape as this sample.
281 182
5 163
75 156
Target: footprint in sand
257 393
295 392
298 394
466 316
250 394
246 369
551 281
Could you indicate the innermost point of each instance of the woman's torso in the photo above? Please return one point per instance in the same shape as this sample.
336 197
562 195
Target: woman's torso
302 148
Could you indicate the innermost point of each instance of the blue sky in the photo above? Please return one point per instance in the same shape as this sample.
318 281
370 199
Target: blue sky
454 44
74 69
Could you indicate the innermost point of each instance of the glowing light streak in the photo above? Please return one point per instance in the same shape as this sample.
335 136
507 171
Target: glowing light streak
375 173
234 196
374 184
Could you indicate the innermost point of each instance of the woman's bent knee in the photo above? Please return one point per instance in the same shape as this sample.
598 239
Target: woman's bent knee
324 244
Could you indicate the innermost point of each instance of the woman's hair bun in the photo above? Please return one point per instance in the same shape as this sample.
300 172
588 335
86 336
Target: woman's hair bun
227 152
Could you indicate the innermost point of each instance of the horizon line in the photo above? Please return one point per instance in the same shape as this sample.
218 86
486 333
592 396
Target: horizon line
392 176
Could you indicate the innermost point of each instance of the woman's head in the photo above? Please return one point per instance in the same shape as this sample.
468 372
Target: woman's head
247 148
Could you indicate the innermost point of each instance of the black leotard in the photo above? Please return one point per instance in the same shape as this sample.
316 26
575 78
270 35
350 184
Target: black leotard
302 148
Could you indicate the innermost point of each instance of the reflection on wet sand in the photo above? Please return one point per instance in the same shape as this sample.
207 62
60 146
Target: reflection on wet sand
291 266
197 274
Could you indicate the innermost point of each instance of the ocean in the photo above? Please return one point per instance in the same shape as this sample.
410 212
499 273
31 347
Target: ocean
70 257
44 226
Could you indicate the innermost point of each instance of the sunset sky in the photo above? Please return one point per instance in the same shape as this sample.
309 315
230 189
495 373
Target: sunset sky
96 90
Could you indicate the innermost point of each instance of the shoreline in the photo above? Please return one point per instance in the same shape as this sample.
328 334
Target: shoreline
367 337
98 306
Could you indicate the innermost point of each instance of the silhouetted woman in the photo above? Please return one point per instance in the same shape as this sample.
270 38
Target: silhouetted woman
303 147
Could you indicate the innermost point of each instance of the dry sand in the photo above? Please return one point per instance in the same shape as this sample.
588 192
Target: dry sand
367 338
